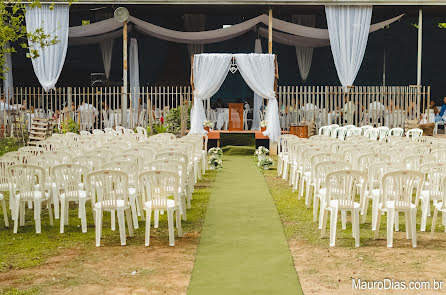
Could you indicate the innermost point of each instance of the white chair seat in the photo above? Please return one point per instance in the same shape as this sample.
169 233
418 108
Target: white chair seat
132 191
335 203
37 195
108 203
391 205
82 195
170 204
2 197
438 206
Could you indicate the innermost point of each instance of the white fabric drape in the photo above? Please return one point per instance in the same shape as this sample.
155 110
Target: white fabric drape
195 23
304 54
258 71
349 28
107 53
54 22
209 72
257 98
134 73
8 87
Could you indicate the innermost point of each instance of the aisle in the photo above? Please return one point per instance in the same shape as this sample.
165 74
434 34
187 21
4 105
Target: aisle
243 249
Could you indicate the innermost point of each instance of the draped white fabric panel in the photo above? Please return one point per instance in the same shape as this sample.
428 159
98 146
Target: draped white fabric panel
195 23
54 22
209 72
134 73
8 87
304 54
107 53
349 28
258 71
257 98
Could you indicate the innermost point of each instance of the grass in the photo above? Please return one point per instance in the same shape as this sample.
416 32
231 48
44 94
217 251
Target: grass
27 249
14 291
298 222
9 144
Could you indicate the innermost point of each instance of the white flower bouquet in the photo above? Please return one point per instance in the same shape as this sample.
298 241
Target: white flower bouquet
265 163
215 162
263 124
208 124
215 151
261 152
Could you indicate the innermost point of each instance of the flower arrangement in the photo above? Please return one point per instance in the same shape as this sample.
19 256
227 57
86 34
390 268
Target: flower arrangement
263 124
265 163
261 152
215 162
215 151
208 124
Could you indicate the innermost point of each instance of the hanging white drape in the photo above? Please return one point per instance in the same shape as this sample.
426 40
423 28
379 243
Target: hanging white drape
304 54
8 87
107 53
258 71
348 28
209 72
134 73
195 23
257 99
54 22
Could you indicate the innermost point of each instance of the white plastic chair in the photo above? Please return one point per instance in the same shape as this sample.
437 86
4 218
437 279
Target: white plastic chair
141 130
28 185
414 133
341 190
109 191
397 196
383 132
364 128
156 188
69 179
396 132
325 131
372 133
354 131
439 206
92 162
5 210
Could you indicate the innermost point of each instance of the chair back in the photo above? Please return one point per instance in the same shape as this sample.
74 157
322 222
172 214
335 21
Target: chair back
399 187
69 177
92 162
341 186
25 179
110 187
157 186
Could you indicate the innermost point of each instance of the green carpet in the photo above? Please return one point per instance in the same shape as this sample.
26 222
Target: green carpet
238 139
243 249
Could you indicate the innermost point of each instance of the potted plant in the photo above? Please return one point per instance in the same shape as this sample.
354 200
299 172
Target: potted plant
215 162
263 125
265 163
261 153
208 125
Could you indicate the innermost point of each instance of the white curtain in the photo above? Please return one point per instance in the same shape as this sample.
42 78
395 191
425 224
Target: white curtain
257 99
134 73
209 72
8 88
348 28
258 71
195 23
54 22
107 53
304 54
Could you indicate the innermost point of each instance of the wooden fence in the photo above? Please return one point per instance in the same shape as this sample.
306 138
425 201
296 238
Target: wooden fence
377 105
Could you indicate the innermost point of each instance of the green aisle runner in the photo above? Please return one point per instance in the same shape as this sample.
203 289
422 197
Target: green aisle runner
243 249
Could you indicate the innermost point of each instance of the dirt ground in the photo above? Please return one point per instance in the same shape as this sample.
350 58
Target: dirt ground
158 269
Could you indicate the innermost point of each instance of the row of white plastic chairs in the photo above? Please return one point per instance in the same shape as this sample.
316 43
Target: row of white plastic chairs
379 133
102 175
332 171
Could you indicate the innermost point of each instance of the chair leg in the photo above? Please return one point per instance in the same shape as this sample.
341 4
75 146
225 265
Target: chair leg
424 213
434 221
112 220
128 217
408 229
156 219
344 219
50 212
390 224
397 221
183 207
171 226
98 227
82 213
178 222
321 211
323 215
37 216
308 194
377 224
62 216
355 216
333 225
413 217
147 231
5 213
16 214
121 225
134 213
374 212
22 213
55 197
315 207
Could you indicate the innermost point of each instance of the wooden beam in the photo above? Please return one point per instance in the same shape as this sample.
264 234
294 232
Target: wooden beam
420 45
270 31
192 76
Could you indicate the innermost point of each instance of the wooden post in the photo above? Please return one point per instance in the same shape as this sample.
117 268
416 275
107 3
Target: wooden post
270 31
192 76
273 145
420 45
124 76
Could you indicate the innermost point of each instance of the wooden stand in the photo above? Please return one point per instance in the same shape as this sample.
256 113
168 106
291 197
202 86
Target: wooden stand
40 129
299 130
235 117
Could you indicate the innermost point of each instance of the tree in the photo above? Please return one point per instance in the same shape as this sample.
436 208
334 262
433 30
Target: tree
13 31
